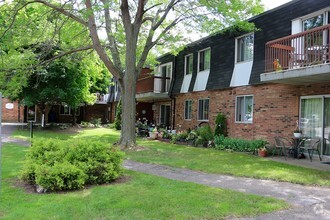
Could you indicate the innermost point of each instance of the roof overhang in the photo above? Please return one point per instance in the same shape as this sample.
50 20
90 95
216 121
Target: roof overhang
152 97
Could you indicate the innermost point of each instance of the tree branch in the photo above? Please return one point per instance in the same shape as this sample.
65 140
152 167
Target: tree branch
62 11
113 45
97 45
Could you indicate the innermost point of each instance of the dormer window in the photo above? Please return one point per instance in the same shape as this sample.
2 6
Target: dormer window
188 64
244 48
204 59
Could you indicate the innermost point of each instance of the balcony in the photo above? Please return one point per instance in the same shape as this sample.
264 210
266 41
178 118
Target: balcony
300 58
101 98
150 88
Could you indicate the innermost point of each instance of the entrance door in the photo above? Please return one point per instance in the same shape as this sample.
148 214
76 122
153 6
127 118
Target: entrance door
165 116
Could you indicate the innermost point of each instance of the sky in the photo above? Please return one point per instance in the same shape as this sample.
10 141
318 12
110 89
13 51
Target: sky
270 4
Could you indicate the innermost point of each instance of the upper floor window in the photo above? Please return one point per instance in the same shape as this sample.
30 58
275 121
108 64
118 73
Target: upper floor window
244 109
163 78
188 110
313 22
204 59
203 109
188 64
244 50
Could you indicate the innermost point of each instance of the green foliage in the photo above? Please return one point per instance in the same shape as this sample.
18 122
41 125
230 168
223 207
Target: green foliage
96 122
234 144
204 136
220 125
118 116
84 124
67 165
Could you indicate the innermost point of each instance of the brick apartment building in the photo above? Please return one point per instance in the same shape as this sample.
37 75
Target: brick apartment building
266 82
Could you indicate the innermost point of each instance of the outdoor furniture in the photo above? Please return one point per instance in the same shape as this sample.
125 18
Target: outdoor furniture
311 145
283 146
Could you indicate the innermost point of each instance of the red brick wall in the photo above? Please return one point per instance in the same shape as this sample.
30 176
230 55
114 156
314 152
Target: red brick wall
97 111
276 109
12 115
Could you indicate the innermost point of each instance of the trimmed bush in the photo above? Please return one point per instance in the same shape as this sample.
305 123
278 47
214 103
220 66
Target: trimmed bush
234 144
66 165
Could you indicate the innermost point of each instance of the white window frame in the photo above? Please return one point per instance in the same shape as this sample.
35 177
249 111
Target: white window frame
199 52
184 113
208 113
236 106
237 47
35 113
168 74
325 12
70 110
186 58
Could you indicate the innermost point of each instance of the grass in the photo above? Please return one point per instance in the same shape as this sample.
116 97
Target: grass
141 197
206 160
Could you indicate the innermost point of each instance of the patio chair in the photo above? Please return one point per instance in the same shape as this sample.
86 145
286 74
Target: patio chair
311 145
282 146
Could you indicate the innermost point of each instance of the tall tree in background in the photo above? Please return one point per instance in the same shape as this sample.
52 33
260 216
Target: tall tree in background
133 27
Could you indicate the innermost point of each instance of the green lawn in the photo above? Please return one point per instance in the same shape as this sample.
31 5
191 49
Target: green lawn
206 160
142 196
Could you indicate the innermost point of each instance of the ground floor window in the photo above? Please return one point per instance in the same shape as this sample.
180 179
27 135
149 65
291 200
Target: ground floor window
203 109
67 110
188 110
244 109
315 119
165 115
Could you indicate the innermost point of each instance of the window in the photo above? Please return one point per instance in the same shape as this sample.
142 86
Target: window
66 110
203 109
245 48
244 109
313 22
163 78
165 115
204 60
188 110
188 64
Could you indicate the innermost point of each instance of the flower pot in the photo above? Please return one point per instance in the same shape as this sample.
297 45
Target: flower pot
297 135
153 135
262 153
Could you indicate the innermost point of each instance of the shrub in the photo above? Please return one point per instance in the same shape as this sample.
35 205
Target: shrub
66 165
220 125
225 143
204 135
96 122
84 124
118 116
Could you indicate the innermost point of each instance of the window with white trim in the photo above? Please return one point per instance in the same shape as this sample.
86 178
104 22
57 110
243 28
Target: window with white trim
244 109
203 109
188 64
244 48
67 110
188 110
204 59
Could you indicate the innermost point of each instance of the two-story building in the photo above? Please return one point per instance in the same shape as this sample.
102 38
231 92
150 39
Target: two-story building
266 82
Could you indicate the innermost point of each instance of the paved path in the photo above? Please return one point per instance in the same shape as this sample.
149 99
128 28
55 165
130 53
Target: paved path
307 202
6 132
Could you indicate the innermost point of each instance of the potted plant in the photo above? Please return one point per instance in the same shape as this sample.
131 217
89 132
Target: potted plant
153 133
262 152
297 133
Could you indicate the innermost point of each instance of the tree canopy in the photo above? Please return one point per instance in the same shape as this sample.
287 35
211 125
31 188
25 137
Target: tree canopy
122 33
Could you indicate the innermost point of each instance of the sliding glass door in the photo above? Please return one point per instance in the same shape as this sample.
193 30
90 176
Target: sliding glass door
315 119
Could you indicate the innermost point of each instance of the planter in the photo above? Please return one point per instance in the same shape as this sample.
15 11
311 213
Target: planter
297 135
262 153
153 135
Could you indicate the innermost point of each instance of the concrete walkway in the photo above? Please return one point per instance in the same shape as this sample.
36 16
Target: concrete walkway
6 132
307 202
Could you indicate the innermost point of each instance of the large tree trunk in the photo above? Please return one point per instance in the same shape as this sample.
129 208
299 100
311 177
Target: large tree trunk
128 135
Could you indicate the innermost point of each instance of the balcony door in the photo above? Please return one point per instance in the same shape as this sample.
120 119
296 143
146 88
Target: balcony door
163 78
315 120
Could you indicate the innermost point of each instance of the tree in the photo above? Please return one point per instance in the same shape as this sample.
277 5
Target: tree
134 27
